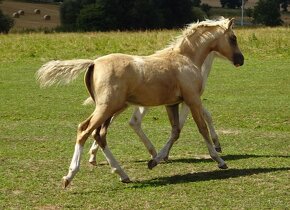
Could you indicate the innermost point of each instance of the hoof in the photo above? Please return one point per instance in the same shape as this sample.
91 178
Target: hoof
218 149
166 158
151 164
126 180
94 163
224 166
65 182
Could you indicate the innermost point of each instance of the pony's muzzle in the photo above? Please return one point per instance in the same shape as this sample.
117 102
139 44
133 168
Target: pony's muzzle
238 59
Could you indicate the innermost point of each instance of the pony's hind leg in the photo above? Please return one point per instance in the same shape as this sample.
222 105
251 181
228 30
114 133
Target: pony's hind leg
93 152
184 111
100 137
173 115
135 123
83 132
94 148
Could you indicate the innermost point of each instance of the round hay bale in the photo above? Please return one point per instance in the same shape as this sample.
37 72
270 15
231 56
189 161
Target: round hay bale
37 11
21 12
46 17
15 15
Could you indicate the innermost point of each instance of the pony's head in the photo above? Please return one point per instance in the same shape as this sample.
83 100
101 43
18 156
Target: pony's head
226 44
211 35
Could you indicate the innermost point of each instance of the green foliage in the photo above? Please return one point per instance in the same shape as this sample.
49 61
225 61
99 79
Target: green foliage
206 8
69 11
284 5
175 13
198 13
223 3
249 12
104 15
6 23
232 4
267 12
196 3
91 18
144 15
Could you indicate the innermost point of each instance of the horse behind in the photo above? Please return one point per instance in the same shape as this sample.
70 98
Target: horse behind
167 77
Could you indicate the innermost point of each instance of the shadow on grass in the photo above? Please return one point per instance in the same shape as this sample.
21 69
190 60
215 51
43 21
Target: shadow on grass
202 159
205 176
211 175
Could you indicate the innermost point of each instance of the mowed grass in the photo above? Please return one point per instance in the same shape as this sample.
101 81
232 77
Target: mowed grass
249 105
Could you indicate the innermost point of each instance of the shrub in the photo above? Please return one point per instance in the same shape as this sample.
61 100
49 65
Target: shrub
69 11
206 8
174 13
6 23
92 18
231 3
198 13
106 15
267 12
196 3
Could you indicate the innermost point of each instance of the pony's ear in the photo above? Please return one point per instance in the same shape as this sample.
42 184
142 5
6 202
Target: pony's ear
231 23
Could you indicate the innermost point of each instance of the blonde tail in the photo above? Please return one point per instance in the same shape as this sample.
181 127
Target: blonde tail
61 72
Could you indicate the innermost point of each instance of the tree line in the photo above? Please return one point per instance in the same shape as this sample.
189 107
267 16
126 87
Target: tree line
107 15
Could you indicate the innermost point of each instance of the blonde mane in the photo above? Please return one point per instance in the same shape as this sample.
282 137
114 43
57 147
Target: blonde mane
193 28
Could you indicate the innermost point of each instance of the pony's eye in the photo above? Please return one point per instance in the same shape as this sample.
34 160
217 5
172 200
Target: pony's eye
233 40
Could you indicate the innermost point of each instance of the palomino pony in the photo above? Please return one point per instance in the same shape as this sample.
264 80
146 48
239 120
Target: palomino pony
140 112
166 77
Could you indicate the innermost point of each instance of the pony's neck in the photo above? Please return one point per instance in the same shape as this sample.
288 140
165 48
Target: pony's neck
207 64
197 46
206 68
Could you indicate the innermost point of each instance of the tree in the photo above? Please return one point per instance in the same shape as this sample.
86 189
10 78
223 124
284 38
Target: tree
91 19
284 5
196 3
231 3
206 8
144 15
6 23
223 3
198 13
69 11
174 13
107 15
267 12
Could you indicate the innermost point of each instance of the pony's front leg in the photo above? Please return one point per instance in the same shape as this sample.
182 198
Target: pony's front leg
135 123
198 116
173 115
212 131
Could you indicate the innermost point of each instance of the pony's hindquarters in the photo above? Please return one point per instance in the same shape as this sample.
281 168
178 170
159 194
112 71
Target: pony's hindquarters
62 71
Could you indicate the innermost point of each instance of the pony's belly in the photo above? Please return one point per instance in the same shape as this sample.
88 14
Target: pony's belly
153 99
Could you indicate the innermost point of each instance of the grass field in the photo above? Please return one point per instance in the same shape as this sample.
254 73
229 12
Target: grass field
250 107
